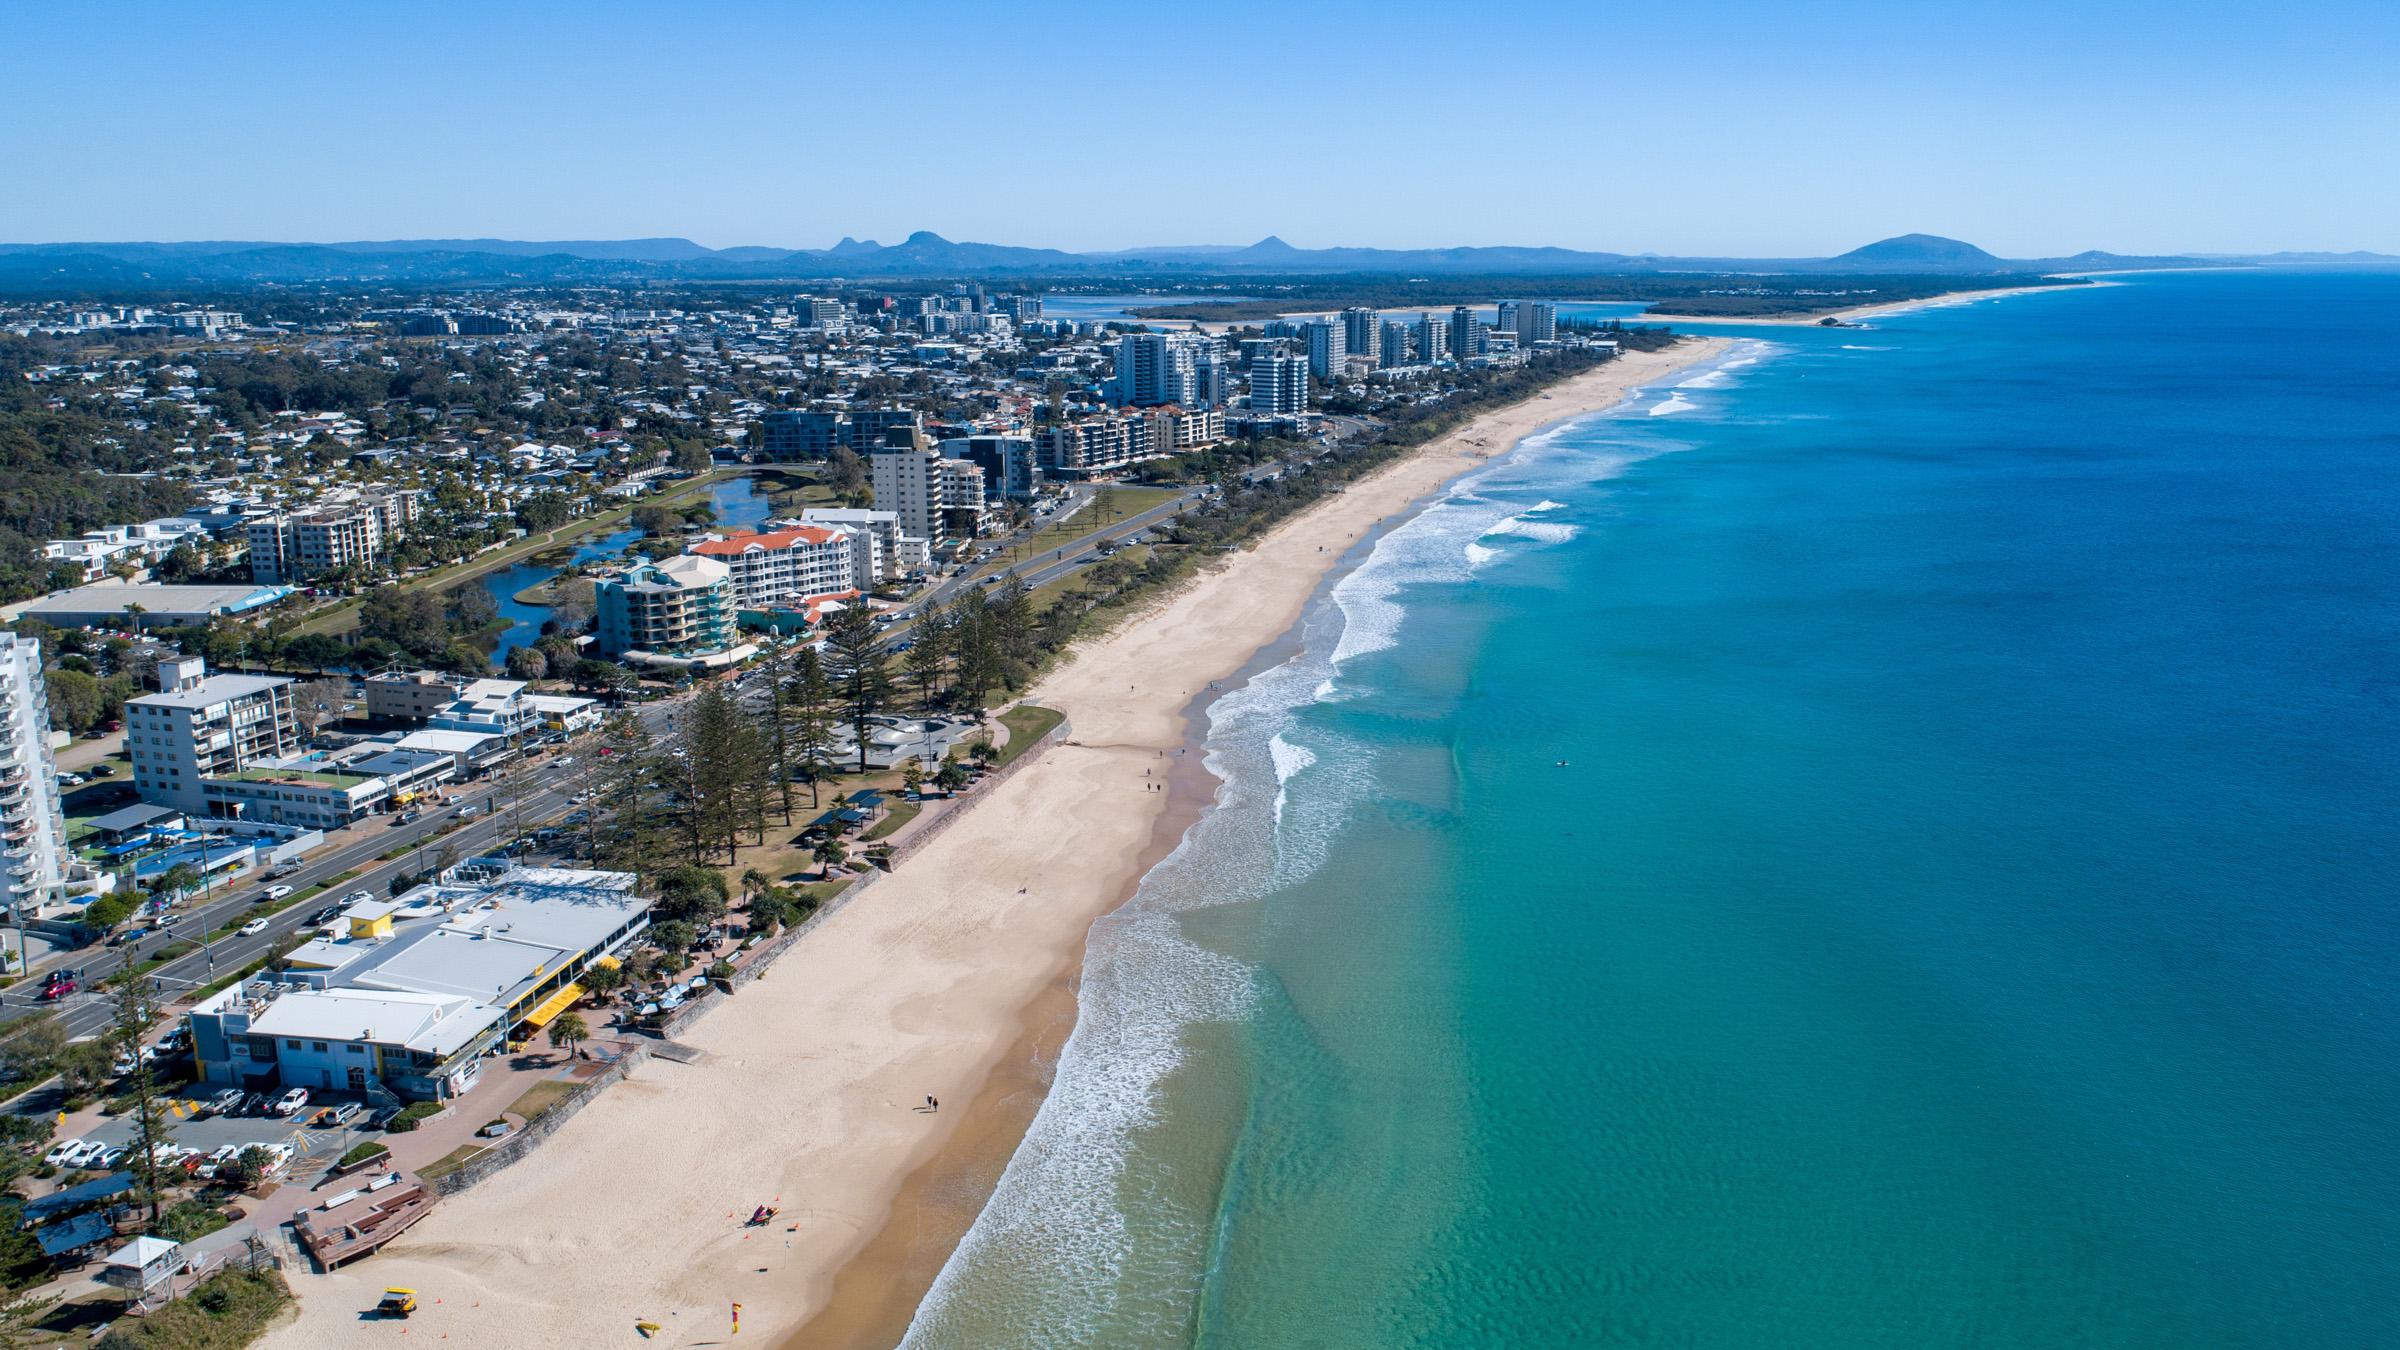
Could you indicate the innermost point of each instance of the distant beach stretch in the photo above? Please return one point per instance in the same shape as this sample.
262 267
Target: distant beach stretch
811 1094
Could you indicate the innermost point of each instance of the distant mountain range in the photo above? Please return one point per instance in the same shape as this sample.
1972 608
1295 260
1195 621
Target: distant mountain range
436 262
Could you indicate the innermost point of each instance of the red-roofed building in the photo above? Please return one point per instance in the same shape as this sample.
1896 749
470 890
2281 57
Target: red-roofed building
797 560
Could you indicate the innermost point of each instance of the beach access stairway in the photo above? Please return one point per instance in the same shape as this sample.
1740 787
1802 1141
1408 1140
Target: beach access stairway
359 1222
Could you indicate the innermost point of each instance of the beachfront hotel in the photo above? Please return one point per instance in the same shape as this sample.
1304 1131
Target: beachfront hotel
794 560
682 607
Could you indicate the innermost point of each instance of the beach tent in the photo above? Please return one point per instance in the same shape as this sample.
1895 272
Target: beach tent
77 1197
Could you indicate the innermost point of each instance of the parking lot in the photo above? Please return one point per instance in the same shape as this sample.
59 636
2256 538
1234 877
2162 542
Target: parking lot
208 1133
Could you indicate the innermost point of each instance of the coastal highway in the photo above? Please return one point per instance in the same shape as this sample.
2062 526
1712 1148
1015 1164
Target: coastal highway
1048 567
544 797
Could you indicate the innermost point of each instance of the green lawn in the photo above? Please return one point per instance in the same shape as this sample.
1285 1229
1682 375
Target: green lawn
900 814
1131 501
1027 723
449 1162
542 1098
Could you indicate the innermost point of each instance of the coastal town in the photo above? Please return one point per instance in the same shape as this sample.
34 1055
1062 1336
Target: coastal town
423 709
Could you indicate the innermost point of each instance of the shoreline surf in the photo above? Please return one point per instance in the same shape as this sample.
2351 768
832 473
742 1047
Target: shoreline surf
924 989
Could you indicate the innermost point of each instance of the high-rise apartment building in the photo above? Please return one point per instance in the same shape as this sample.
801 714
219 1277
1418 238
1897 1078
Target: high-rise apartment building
200 726
1466 334
1155 368
682 607
933 495
33 826
1534 321
1279 386
1362 333
309 544
782 564
1328 348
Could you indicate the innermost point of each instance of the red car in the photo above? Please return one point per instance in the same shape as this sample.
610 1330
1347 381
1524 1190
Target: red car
57 989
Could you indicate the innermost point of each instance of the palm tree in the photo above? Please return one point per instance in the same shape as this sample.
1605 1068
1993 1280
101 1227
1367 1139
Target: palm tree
567 1031
753 882
830 854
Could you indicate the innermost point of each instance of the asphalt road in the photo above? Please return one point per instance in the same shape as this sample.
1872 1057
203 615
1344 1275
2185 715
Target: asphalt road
86 1012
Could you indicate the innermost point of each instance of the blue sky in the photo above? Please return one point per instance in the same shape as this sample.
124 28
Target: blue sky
1717 128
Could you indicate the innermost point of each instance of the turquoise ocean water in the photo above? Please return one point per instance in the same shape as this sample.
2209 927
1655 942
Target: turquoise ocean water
1964 915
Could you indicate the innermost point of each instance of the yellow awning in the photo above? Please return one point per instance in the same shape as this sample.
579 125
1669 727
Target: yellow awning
608 963
554 1005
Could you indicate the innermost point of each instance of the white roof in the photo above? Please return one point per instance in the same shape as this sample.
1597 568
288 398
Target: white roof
438 1024
448 742
142 1251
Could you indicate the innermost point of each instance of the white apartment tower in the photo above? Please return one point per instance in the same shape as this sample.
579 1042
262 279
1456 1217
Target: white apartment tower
1279 386
1328 348
33 826
1362 334
199 726
931 495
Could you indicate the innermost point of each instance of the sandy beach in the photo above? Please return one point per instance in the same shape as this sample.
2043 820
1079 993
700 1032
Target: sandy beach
946 978
1856 312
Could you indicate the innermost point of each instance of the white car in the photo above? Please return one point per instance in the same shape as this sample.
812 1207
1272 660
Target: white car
85 1153
253 928
292 1103
358 897
275 892
112 1155
60 1152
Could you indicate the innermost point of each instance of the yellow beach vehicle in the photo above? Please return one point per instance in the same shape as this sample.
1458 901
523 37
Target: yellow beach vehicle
397 1303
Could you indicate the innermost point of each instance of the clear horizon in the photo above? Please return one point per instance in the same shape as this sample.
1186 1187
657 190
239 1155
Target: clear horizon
1748 130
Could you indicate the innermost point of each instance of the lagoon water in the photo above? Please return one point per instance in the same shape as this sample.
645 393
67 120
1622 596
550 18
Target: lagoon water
1890 843
738 506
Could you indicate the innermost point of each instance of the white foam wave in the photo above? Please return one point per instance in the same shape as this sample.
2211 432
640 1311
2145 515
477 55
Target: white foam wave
1673 403
1056 1248
1710 379
1862 347
1289 759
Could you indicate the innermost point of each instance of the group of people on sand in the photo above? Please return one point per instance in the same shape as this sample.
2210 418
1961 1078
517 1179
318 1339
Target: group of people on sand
764 1214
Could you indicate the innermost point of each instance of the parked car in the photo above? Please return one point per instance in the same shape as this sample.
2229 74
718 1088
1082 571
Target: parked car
226 1102
60 1152
345 1113
255 1104
85 1153
112 1155
275 892
71 780
292 1103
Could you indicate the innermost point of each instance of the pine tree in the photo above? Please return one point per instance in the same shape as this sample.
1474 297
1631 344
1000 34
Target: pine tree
778 670
861 683
812 721
153 1127
928 660
1012 628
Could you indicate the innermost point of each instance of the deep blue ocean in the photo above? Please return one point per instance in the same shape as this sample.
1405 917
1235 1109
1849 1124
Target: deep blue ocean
1889 843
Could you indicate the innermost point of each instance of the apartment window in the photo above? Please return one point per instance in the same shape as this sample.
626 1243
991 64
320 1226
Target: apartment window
355 1048
318 1046
291 1045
